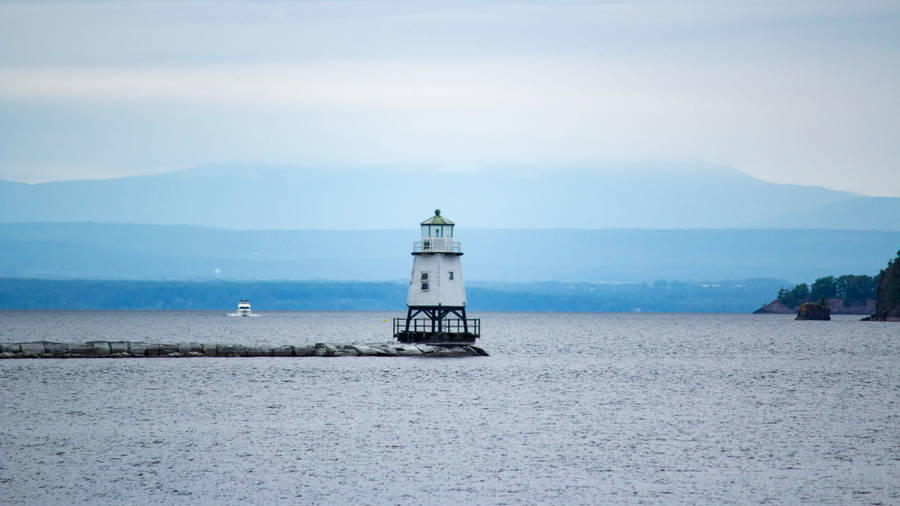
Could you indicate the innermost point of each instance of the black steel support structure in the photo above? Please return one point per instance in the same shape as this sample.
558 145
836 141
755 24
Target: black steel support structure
436 327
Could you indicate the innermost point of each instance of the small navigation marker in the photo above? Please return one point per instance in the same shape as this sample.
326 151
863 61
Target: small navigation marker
437 295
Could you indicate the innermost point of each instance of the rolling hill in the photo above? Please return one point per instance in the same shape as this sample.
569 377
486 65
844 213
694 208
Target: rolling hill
257 198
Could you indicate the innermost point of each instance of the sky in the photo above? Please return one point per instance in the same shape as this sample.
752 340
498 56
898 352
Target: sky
788 92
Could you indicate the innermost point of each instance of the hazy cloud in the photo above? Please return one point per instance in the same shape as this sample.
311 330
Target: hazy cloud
800 93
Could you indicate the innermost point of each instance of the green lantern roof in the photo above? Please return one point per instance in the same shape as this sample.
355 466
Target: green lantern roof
437 219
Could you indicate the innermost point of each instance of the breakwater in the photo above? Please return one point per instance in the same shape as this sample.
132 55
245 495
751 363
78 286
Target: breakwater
130 349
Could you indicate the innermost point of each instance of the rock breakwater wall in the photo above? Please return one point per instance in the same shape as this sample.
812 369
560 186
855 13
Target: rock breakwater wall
130 349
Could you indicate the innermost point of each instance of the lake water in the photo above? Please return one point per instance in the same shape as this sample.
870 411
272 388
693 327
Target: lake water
568 409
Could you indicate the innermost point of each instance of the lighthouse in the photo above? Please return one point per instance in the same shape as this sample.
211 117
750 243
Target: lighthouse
437 295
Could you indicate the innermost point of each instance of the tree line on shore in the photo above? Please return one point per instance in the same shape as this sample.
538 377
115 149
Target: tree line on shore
887 306
851 288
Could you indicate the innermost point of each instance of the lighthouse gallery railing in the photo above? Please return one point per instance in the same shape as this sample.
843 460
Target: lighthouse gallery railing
439 245
447 325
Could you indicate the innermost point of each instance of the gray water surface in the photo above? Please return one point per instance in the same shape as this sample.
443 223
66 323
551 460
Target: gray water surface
569 409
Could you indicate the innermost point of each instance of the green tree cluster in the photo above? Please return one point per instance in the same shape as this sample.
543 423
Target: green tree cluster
823 287
855 288
795 296
852 289
888 301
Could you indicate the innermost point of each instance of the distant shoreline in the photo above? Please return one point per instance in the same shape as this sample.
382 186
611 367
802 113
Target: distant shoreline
836 305
740 297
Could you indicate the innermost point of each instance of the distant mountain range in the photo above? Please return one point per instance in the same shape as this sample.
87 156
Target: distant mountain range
256 198
165 252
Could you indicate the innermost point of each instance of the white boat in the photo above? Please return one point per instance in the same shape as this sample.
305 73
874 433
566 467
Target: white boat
243 309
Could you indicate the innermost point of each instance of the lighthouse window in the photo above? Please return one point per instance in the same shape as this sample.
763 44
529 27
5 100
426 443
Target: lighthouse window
424 286
424 276
451 274
437 231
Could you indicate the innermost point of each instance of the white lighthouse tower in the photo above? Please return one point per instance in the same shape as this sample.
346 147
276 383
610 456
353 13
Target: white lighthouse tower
436 290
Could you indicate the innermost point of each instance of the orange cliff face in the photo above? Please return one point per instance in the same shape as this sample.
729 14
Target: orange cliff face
811 311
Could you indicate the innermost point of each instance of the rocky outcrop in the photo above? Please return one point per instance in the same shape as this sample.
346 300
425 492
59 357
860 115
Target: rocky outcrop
836 305
810 311
125 349
881 317
774 307
887 306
